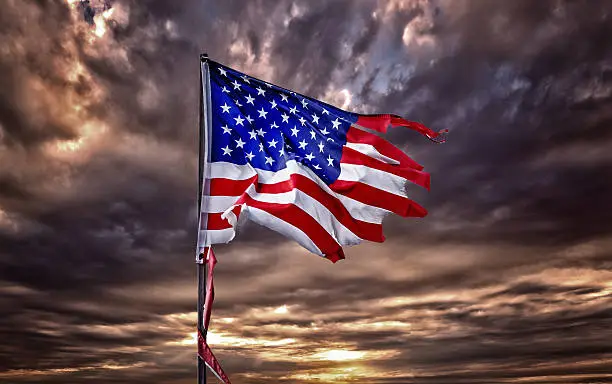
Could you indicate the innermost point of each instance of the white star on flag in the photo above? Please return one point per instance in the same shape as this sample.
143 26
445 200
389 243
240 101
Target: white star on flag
336 123
262 113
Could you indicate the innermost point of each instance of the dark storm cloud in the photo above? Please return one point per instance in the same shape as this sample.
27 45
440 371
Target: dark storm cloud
506 279
508 106
23 59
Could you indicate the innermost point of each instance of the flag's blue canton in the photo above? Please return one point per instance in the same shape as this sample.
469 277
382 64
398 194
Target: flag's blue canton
264 125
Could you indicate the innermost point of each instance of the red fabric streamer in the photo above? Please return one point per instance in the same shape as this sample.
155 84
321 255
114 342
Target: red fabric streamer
209 358
211 260
204 350
381 122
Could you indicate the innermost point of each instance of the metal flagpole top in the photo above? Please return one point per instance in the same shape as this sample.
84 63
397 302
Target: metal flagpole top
204 57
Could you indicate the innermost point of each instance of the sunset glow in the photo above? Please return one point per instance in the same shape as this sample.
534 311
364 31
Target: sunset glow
339 355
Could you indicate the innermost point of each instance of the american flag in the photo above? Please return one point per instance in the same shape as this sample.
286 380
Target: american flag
301 167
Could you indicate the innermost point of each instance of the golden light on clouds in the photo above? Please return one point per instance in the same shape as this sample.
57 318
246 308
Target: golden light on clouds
62 371
342 98
318 342
227 340
100 27
339 375
281 310
68 105
11 222
335 361
345 352
4 219
347 98
339 355
88 133
101 22
414 32
192 339
69 145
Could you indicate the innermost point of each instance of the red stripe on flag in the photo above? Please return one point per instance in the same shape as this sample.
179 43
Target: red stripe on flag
302 220
369 195
215 221
381 122
229 187
356 135
351 156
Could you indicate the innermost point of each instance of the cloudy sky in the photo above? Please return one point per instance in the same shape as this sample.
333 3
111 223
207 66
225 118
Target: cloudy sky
508 279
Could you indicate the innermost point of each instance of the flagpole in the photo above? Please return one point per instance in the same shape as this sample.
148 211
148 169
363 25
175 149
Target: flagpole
203 160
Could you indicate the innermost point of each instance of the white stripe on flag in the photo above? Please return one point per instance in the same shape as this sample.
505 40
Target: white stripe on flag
274 223
369 150
218 204
373 177
216 236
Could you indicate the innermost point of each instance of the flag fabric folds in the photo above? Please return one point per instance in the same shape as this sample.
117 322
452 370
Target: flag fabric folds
308 170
